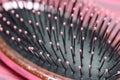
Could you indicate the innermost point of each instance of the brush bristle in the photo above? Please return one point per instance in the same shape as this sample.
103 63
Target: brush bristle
67 38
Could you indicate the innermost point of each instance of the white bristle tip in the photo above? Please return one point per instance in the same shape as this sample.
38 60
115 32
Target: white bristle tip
12 11
49 15
79 67
59 9
105 58
18 39
7 32
48 55
40 41
108 23
109 41
95 28
72 14
92 53
20 30
61 33
51 7
83 38
41 53
80 50
34 36
4 19
47 28
81 13
64 23
38 13
91 14
50 43
1 29
55 17
37 24
95 38
21 19
97 21
74 37
81 28
118 72
30 21
74 8
71 25
12 38
58 44
59 60
15 27
25 32
71 48
33 11
30 48
81 18
1 15
89 66
106 70
65 3
53 28
105 18
67 62
17 15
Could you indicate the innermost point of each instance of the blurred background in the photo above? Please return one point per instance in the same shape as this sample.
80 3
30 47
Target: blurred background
111 5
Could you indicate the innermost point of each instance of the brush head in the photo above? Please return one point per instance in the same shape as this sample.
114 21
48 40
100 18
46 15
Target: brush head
70 42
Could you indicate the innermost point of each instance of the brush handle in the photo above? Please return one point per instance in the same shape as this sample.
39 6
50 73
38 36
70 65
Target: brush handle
24 67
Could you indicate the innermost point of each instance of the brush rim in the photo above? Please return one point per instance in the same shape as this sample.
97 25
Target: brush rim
35 72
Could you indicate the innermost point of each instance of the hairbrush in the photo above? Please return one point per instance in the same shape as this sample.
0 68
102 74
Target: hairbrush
63 39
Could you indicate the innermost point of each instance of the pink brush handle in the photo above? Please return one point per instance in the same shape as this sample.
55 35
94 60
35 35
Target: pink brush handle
17 68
